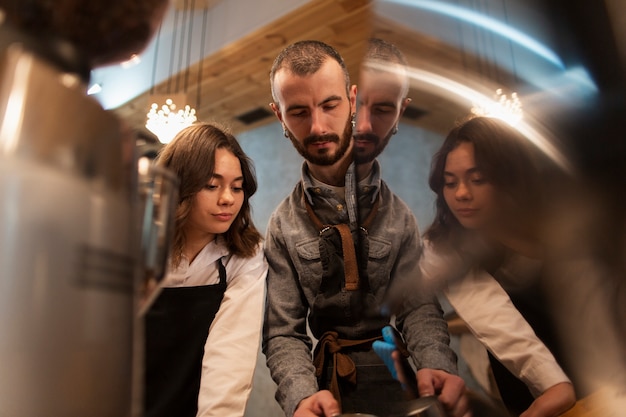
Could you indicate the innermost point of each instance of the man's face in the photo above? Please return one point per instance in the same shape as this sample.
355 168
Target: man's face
316 112
314 148
380 103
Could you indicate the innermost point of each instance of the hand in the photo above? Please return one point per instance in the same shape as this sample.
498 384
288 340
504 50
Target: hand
449 389
320 404
553 402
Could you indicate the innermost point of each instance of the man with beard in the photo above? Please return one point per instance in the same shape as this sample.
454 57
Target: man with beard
334 246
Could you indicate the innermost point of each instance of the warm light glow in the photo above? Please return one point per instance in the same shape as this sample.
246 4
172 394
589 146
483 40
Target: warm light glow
445 87
143 165
131 62
165 122
502 107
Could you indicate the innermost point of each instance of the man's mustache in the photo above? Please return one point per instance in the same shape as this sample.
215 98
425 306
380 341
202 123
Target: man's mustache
312 139
369 137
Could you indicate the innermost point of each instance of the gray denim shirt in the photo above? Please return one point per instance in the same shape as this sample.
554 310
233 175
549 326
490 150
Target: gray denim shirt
292 250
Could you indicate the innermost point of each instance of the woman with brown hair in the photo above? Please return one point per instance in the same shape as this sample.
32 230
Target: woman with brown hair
203 331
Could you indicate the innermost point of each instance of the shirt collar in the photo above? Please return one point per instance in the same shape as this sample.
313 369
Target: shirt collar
213 251
370 185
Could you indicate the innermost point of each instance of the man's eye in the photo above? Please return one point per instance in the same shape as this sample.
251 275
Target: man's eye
383 110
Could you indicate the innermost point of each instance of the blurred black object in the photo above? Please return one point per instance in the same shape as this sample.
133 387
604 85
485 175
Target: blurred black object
102 32
587 268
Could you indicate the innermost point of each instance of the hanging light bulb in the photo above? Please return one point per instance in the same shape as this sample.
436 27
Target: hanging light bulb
502 107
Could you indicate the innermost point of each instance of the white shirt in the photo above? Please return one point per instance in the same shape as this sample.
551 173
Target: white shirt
493 319
231 349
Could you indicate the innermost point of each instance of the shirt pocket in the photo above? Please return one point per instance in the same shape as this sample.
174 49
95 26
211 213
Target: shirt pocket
310 264
379 263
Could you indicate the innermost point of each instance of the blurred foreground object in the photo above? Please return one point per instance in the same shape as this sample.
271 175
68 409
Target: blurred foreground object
69 228
102 32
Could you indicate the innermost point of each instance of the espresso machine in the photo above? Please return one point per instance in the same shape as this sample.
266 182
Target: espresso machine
80 232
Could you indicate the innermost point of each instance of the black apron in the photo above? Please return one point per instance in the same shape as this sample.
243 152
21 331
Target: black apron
176 329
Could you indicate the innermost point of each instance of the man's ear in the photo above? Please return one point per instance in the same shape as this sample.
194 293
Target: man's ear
276 111
352 98
405 104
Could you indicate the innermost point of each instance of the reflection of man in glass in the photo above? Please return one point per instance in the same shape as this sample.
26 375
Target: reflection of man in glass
381 100
320 276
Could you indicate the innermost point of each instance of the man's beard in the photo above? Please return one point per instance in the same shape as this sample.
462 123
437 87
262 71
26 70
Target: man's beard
362 156
323 157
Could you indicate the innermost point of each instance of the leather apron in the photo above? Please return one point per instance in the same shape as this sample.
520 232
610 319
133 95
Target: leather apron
176 328
344 297
348 367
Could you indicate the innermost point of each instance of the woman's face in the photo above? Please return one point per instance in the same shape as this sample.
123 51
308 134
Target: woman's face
468 194
216 206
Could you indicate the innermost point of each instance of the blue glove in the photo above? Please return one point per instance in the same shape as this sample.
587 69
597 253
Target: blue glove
385 347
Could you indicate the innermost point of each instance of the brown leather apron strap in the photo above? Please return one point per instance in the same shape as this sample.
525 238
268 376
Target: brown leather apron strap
342 364
351 269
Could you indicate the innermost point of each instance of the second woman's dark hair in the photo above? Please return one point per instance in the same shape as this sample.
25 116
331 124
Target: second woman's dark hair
503 156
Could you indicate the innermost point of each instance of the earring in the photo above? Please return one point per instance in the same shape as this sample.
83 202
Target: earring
353 120
285 134
395 130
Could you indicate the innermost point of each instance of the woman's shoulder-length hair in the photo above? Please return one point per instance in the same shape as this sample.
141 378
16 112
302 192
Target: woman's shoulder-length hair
191 156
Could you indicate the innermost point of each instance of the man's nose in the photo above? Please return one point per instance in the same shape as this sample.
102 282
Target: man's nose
319 123
363 121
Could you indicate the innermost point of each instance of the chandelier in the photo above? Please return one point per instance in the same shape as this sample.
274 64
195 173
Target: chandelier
166 121
169 113
502 107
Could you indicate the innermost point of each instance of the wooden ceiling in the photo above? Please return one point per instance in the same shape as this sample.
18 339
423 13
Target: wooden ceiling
235 87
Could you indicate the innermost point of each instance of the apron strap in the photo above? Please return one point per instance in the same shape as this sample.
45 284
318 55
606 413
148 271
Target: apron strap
351 269
222 271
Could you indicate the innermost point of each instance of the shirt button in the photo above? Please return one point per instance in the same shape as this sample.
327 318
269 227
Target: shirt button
318 190
366 188
339 207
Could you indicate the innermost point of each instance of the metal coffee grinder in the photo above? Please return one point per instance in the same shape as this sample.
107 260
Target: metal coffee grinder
71 257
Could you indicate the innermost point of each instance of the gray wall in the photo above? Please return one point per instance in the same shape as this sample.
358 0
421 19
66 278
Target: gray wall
405 165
